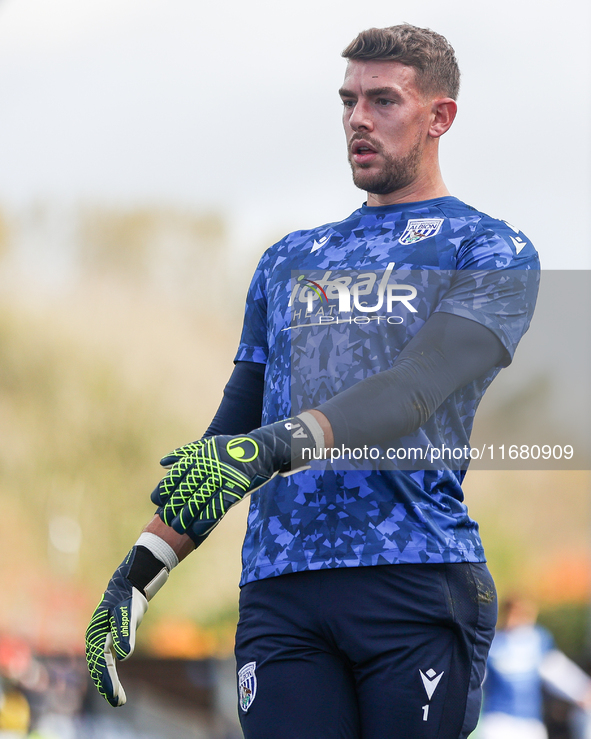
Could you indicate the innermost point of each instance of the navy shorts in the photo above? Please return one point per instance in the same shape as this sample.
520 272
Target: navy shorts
385 652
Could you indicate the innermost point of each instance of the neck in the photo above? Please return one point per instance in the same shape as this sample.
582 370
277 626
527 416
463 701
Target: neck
426 186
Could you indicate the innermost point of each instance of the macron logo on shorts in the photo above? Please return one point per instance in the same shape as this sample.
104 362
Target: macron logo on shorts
430 681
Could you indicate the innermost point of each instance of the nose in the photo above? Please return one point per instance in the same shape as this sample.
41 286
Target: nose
360 118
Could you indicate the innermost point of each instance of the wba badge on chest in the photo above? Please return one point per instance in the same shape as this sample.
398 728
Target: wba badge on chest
418 229
247 685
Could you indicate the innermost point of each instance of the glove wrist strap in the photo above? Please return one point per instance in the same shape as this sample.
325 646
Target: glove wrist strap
315 429
291 442
152 562
159 548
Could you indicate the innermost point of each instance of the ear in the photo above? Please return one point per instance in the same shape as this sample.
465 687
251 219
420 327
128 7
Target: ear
443 112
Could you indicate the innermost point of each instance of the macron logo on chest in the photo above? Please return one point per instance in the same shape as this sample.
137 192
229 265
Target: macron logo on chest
317 244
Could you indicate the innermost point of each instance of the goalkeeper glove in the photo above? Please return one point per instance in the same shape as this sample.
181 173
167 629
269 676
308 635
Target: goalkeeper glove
205 482
112 629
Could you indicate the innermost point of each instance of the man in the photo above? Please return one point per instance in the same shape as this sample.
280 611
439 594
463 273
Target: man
522 660
366 608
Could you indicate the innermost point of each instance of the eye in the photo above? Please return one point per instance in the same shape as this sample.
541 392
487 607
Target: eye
348 103
384 102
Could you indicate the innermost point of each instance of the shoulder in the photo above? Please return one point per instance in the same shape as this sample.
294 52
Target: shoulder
308 241
320 235
491 243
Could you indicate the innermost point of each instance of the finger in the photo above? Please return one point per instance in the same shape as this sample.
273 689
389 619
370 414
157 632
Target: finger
194 490
99 656
204 510
179 523
162 495
193 508
114 691
158 497
174 506
171 482
170 459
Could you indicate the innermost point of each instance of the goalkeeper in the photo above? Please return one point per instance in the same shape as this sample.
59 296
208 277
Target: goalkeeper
366 607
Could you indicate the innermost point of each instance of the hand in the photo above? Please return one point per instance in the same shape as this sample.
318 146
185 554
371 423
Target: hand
112 629
181 451
205 482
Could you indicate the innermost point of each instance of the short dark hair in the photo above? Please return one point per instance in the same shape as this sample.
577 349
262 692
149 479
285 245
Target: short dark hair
429 53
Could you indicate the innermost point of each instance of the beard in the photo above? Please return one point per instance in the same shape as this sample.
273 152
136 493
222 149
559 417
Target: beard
395 173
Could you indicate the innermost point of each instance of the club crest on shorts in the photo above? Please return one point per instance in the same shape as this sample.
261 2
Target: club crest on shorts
418 229
247 685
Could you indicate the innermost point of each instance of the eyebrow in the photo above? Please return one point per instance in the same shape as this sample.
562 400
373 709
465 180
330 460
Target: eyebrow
372 92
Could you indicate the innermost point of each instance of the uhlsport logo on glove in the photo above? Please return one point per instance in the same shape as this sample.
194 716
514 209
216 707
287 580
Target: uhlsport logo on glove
243 449
124 621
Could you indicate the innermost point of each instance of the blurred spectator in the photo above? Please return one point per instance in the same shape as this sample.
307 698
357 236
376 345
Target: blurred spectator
522 660
14 713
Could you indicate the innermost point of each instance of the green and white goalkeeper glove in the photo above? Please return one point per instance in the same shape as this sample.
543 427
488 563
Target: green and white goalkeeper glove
207 477
111 632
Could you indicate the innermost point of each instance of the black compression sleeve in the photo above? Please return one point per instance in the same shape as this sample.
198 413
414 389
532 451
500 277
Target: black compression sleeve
240 410
447 353
242 405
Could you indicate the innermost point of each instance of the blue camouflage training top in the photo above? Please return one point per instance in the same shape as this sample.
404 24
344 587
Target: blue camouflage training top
331 306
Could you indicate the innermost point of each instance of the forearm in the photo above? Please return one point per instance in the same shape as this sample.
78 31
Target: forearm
239 412
181 544
446 354
242 404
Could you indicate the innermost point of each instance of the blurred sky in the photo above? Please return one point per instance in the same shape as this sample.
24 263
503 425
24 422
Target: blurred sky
232 105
